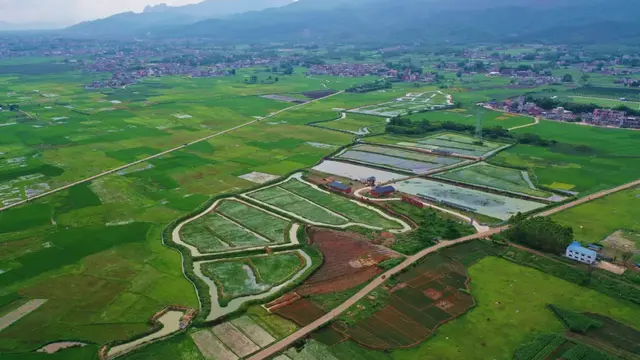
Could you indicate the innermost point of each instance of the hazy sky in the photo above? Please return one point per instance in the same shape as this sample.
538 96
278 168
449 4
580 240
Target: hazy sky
67 12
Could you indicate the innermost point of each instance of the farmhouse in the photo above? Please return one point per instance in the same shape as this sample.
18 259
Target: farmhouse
577 252
382 191
338 186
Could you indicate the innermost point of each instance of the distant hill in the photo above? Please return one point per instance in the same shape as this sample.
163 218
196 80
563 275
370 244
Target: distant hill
163 15
386 21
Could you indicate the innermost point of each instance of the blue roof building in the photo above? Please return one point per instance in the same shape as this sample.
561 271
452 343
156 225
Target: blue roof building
580 253
337 185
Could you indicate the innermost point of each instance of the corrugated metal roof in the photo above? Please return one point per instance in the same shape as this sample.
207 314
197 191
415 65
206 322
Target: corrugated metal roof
384 189
338 185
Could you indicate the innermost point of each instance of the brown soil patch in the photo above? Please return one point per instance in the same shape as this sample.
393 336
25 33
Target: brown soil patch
349 260
303 312
444 304
433 294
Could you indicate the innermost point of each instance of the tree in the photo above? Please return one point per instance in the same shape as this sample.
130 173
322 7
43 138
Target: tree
539 233
626 256
567 78
584 79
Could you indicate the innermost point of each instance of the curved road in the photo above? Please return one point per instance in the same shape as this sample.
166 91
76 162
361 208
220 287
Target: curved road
288 341
112 171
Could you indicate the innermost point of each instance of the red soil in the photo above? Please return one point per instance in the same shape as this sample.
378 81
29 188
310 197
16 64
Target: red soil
303 312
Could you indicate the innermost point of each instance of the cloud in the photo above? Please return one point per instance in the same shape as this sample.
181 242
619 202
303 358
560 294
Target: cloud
67 12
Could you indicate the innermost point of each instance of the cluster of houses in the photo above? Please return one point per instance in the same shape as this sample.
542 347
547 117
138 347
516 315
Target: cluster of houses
361 70
599 117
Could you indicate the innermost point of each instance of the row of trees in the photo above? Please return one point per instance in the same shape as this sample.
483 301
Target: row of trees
540 233
380 84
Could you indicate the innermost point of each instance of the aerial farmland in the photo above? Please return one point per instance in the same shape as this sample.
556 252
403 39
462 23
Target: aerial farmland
272 207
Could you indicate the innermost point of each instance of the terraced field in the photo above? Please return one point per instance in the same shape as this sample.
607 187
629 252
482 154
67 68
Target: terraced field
446 143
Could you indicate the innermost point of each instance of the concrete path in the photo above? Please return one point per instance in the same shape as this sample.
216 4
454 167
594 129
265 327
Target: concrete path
112 171
170 324
305 331
536 122
20 312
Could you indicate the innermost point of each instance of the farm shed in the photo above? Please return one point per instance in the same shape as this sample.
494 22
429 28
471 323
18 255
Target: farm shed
382 191
338 186
577 252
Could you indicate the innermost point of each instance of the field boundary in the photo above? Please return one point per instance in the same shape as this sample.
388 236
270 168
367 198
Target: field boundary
166 152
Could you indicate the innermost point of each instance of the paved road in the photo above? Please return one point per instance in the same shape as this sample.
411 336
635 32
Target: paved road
288 341
112 171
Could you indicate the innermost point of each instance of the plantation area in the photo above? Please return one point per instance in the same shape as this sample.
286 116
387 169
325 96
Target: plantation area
447 143
470 117
410 103
587 159
500 178
601 220
234 225
356 124
318 206
492 205
397 160
501 322
254 275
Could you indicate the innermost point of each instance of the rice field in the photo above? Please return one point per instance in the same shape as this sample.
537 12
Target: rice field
397 163
254 275
282 199
357 124
214 232
407 154
495 206
408 104
270 226
495 177
446 143
356 172
339 205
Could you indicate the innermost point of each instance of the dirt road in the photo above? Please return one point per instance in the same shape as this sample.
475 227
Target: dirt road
288 341
112 171
537 121
20 312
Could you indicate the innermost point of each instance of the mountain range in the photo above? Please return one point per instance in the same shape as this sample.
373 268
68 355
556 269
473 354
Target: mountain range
382 21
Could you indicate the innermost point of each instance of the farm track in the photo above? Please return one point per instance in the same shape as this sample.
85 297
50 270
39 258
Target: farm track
166 152
305 331
19 313
536 122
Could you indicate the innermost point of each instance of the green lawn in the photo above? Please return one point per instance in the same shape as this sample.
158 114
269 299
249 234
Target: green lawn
501 178
512 302
594 221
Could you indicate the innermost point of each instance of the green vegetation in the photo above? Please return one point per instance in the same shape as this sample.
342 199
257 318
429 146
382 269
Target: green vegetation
432 228
180 347
501 178
357 124
575 321
369 87
539 233
214 232
272 227
502 321
594 221
539 348
250 276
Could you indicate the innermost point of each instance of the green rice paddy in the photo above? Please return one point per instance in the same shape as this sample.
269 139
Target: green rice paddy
501 178
258 221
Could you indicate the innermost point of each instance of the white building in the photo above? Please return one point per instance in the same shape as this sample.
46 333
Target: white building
577 252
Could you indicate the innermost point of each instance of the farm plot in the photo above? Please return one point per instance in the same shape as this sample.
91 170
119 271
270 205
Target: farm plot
495 177
270 226
350 260
282 199
456 144
425 297
251 276
215 232
340 205
390 162
407 154
356 124
410 103
495 206
356 172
